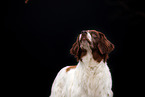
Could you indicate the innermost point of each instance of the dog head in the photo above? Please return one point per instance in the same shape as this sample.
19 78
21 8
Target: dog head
94 41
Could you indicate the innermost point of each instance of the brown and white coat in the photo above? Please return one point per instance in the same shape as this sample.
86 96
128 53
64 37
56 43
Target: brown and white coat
91 76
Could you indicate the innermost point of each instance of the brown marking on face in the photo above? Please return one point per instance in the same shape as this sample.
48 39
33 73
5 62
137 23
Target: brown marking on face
77 51
70 67
100 46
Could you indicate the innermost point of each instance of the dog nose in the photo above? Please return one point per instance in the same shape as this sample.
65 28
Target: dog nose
84 32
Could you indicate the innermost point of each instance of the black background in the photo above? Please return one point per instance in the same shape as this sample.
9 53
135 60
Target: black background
39 35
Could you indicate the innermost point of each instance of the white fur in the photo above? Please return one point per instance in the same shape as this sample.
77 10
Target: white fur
80 36
89 36
89 79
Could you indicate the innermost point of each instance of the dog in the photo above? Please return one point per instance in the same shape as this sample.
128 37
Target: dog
91 77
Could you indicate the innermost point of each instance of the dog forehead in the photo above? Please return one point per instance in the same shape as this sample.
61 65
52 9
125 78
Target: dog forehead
93 31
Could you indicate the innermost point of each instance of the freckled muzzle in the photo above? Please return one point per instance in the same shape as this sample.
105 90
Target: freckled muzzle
85 36
85 40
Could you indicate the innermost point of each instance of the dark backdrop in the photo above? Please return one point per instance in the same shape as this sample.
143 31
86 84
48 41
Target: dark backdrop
40 33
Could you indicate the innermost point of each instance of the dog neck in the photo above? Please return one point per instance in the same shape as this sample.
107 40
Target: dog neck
88 63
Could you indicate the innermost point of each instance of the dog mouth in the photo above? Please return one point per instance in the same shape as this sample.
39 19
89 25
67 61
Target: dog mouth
85 42
84 39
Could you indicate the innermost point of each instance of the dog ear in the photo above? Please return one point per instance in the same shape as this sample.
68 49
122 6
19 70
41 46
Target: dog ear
104 45
75 48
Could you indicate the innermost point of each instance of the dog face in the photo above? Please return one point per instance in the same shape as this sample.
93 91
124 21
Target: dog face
92 40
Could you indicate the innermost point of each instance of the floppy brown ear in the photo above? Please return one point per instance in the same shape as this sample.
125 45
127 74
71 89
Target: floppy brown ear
104 45
75 48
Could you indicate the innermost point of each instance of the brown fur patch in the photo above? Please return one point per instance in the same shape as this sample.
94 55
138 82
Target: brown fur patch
101 47
98 57
75 50
70 67
83 52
